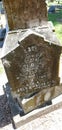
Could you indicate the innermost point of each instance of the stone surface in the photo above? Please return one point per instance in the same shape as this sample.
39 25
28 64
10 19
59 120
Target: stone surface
32 65
45 31
49 121
32 60
38 100
25 13
41 116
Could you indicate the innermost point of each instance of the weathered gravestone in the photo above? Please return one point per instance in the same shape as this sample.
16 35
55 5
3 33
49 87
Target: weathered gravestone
25 13
31 56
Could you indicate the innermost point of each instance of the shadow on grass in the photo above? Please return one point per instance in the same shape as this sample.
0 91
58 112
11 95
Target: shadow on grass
56 18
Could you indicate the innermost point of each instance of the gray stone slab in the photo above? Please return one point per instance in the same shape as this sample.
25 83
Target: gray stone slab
45 31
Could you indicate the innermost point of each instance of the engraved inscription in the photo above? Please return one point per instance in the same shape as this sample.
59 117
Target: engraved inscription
30 68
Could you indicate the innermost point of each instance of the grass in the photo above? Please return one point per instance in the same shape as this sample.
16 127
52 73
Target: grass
1 68
56 18
58 28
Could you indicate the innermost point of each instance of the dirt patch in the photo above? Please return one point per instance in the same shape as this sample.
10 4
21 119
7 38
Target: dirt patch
5 114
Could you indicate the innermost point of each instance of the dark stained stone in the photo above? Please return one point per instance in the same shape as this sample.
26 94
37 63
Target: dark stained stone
25 13
32 64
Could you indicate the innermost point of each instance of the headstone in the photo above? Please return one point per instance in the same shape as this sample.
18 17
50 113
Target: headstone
25 13
31 53
32 65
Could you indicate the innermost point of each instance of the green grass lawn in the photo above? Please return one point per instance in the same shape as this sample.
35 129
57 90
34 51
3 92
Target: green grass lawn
56 18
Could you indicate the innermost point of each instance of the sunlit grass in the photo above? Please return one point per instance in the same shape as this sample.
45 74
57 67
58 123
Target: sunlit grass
58 29
1 68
